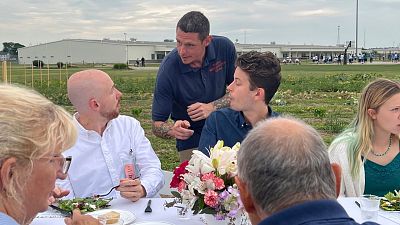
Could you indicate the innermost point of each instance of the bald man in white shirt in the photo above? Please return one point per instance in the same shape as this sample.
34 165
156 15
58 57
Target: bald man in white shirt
111 149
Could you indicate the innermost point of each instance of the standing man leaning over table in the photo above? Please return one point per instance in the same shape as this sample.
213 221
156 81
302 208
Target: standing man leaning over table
256 80
191 82
298 181
107 143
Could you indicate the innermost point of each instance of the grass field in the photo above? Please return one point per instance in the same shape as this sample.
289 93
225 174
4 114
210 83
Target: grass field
325 96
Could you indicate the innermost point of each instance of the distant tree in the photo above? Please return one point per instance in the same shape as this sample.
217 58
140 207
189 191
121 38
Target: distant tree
11 48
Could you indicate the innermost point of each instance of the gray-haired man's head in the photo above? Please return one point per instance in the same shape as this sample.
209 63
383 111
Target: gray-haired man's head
284 161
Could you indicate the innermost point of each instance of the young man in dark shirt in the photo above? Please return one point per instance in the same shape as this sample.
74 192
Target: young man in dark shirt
256 80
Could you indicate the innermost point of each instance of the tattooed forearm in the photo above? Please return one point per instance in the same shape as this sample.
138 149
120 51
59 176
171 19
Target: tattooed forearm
222 102
161 129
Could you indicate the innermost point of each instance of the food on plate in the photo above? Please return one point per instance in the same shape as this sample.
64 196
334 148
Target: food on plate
110 217
391 201
88 204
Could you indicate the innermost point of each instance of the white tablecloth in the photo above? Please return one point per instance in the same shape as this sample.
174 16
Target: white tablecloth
385 218
170 214
158 214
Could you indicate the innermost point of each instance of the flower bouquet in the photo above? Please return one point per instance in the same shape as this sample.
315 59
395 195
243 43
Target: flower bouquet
206 184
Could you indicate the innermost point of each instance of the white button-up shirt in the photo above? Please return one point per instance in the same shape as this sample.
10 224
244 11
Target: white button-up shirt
98 162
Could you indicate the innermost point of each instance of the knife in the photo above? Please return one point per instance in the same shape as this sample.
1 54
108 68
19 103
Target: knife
62 211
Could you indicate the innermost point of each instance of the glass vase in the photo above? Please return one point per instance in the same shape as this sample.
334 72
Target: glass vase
240 219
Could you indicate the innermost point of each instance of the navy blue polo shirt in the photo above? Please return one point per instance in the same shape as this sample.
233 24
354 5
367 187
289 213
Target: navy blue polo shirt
312 213
179 85
227 125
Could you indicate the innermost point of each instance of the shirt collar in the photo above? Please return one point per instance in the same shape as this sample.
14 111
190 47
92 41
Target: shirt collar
242 121
83 130
308 211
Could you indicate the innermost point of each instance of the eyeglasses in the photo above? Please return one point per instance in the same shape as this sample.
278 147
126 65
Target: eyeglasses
63 162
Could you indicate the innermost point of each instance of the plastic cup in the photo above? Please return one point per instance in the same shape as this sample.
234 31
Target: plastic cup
369 205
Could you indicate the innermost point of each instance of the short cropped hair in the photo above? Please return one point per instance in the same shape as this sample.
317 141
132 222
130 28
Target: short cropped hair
194 22
282 166
263 69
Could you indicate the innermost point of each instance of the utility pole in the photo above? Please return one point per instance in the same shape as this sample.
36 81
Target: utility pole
357 29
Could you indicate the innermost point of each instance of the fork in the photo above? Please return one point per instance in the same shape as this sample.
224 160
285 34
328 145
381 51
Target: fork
62 211
97 196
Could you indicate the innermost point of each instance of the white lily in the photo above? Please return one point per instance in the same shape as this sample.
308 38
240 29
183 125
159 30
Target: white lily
199 163
224 158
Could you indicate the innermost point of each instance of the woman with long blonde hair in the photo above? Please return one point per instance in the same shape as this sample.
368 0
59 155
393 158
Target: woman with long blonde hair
368 150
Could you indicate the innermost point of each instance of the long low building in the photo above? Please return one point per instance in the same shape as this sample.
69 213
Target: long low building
82 51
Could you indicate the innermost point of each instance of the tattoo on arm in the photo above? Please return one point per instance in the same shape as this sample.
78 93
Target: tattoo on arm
222 102
162 130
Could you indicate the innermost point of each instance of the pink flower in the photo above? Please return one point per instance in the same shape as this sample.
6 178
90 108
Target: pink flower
211 198
208 176
219 183
182 186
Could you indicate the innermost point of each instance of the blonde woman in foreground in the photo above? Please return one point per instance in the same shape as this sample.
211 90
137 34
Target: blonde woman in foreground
33 133
368 150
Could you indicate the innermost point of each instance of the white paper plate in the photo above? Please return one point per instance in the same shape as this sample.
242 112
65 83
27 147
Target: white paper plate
126 216
153 223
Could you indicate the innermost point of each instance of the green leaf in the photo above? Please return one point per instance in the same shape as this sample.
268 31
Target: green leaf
208 210
176 194
196 208
170 204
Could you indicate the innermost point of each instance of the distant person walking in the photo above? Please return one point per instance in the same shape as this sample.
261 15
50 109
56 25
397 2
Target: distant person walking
137 62
143 62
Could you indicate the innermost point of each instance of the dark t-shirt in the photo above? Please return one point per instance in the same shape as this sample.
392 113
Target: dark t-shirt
178 85
313 213
227 125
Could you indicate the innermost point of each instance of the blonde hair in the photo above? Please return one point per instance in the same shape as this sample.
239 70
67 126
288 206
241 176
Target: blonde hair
360 133
30 127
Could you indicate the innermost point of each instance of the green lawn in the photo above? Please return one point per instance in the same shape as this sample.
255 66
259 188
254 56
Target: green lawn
323 95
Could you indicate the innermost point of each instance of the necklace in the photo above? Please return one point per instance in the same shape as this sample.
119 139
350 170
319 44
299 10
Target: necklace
387 150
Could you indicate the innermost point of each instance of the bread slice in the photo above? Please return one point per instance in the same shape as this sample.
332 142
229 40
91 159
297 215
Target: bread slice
110 217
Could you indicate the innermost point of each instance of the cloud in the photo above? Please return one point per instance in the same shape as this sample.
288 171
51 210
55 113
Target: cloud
257 21
317 13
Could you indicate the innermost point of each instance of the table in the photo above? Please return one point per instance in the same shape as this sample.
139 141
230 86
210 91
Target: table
158 214
170 214
354 211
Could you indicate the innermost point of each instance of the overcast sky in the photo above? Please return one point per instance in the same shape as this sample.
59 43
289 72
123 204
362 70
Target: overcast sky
30 22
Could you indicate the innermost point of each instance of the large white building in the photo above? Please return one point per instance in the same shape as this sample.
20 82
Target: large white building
82 51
